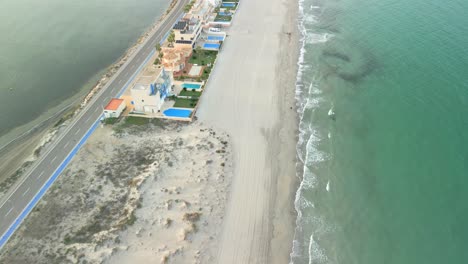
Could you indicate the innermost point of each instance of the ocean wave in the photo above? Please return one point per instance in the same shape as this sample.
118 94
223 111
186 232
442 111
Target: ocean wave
316 254
314 38
313 154
308 99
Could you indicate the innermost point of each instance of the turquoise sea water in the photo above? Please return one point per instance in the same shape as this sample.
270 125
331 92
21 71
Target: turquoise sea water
386 176
53 50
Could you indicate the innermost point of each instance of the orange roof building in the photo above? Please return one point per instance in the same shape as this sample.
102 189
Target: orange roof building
114 108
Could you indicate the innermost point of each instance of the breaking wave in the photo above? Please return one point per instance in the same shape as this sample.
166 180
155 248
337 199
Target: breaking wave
308 98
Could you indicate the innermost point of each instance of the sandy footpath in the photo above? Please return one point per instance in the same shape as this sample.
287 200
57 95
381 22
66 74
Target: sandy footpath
251 95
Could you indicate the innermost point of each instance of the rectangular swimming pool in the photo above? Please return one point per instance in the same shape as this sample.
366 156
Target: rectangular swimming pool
225 13
228 5
221 38
176 112
191 85
211 46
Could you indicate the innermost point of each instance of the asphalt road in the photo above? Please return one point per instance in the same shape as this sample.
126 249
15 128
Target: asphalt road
45 167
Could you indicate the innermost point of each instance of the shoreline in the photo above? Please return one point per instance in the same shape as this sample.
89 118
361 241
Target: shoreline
282 240
28 142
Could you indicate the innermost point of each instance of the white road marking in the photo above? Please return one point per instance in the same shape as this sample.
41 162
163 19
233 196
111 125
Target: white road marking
78 130
9 211
97 108
26 191
54 159
66 145
42 173
87 119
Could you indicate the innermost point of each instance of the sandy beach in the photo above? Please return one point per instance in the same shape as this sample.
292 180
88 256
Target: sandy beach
251 95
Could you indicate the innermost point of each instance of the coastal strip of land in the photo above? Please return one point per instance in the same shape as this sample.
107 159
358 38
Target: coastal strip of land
251 96
219 190
18 200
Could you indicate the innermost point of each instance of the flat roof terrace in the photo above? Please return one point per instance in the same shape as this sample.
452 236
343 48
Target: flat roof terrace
147 77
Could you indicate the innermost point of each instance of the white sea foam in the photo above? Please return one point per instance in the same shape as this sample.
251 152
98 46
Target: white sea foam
316 254
310 19
313 87
314 38
331 112
313 102
314 155
308 98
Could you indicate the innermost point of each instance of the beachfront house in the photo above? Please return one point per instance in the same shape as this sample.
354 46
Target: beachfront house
114 108
174 59
150 90
203 8
186 31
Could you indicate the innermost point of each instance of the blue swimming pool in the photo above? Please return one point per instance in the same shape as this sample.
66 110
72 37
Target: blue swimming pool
225 13
211 46
175 112
191 85
228 5
221 38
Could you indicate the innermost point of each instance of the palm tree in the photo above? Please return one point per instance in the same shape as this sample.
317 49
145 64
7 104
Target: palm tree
171 38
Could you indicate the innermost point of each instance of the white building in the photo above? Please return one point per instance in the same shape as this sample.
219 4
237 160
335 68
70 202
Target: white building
214 2
202 9
114 108
150 90
187 30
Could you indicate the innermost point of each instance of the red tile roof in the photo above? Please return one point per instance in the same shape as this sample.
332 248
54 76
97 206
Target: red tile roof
114 104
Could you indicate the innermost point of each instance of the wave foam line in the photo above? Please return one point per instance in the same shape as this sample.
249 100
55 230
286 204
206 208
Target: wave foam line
303 102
